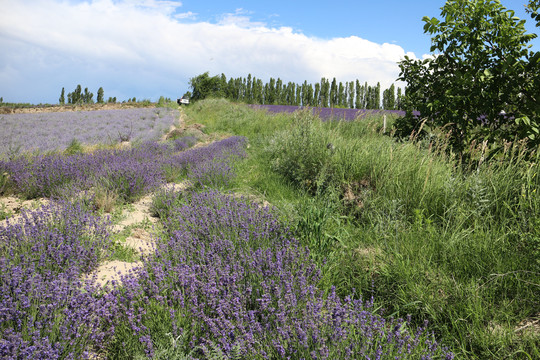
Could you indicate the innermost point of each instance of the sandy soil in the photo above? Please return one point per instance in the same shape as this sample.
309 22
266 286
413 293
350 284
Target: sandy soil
12 206
139 239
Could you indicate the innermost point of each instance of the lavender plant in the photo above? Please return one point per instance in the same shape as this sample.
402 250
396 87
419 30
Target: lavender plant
210 165
33 131
46 310
231 277
329 113
128 173
56 237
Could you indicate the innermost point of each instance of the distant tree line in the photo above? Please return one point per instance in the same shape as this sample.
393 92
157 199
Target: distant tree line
77 96
325 93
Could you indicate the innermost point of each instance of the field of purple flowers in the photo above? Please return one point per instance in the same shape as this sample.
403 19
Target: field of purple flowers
56 130
227 280
127 173
330 113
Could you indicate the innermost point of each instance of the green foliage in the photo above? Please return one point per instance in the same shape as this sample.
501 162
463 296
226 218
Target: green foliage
4 182
425 235
166 102
173 351
100 95
78 97
532 8
74 147
302 153
204 86
164 201
389 98
482 81
251 90
62 99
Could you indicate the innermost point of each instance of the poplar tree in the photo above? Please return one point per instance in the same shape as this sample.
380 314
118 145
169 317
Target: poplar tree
279 91
309 96
230 89
358 100
249 90
333 93
62 99
100 94
351 95
259 92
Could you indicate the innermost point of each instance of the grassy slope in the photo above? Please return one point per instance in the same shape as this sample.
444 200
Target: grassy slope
402 223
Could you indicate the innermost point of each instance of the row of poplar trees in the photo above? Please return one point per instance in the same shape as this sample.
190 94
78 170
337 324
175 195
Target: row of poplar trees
77 96
325 93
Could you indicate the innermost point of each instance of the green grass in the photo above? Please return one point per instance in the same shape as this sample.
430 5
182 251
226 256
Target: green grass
425 234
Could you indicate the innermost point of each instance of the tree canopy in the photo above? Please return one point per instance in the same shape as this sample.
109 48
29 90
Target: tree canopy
481 83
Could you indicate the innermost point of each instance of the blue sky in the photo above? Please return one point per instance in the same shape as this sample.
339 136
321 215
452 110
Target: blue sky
148 48
394 21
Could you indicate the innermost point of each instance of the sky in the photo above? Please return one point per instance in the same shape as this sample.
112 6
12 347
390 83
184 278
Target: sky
151 48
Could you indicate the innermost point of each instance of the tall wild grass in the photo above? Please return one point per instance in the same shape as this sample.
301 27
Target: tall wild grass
425 233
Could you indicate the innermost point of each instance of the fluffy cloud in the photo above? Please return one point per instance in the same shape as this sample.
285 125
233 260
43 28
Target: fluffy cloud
148 48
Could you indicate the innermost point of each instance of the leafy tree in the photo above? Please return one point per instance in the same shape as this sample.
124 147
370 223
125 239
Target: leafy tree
359 101
259 92
309 95
100 94
333 93
533 9
75 97
88 97
298 95
341 95
279 91
223 86
482 82
317 95
249 90
324 96
351 95
270 97
62 99
291 93
372 97
389 98
204 85
399 99
377 96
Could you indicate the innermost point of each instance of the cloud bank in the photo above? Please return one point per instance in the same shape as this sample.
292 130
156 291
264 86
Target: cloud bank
147 48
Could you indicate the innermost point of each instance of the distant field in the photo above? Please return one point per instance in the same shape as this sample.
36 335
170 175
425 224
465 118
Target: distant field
330 113
56 130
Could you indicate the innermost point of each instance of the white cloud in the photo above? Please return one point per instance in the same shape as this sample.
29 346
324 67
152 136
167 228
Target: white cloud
239 18
186 15
144 47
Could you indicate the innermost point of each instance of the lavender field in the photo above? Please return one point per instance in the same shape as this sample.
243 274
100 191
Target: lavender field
56 130
226 278
326 113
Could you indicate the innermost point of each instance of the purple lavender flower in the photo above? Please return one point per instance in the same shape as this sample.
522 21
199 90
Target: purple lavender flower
229 273
46 310
34 131
329 113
